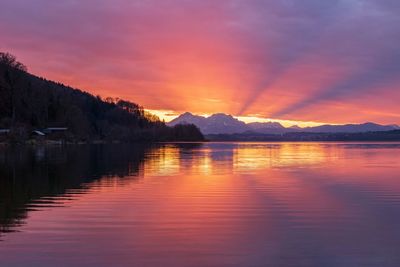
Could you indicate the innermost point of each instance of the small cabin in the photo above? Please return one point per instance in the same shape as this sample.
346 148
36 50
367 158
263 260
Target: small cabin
56 133
37 135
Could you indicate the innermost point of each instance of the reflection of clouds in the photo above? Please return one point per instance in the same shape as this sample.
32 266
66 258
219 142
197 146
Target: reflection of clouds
280 213
252 157
163 161
264 156
296 155
203 165
197 160
213 158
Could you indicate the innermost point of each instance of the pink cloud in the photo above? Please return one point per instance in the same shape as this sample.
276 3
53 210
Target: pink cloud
277 58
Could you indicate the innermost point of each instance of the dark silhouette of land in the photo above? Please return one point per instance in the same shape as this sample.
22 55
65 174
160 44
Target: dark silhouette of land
308 137
36 108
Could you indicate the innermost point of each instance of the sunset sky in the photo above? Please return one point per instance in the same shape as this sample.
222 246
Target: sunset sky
300 60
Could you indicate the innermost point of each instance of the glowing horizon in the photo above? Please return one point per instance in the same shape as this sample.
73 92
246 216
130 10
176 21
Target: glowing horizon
297 62
169 115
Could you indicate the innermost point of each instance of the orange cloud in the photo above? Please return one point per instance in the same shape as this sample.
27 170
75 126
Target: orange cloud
324 61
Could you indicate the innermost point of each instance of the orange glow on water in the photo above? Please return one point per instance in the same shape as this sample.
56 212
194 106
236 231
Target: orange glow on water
214 204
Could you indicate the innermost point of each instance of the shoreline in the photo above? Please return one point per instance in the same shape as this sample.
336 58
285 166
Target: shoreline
100 142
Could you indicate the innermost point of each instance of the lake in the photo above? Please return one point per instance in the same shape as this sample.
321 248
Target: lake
204 204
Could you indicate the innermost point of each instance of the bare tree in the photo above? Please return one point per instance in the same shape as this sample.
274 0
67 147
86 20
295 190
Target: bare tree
13 73
11 61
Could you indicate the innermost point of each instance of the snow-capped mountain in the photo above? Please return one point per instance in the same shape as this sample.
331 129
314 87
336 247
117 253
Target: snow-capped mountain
221 123
215 124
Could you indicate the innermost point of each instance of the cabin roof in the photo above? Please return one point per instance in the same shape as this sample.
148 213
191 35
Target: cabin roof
57 129
39 133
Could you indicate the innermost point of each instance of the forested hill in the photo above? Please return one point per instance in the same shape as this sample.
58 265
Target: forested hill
29 103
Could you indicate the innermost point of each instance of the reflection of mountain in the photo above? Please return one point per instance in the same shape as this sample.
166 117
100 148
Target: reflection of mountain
226 124
39 175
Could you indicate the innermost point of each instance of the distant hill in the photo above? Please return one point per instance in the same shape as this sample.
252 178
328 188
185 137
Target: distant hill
351 128
226 124
393 135
29 103
268 127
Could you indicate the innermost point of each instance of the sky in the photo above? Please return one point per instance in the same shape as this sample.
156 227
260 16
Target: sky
335 61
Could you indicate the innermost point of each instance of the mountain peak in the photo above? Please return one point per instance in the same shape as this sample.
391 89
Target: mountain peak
368 123
221 115
214 124
186 114
269 124
395 126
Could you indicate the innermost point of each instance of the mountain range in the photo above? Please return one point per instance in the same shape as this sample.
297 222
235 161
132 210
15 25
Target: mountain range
221 123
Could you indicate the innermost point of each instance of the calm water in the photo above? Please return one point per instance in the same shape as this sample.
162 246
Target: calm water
216 204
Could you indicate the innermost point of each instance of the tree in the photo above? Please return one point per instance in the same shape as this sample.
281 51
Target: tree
11 61
14 70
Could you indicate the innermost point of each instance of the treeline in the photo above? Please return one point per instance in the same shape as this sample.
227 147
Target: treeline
28 103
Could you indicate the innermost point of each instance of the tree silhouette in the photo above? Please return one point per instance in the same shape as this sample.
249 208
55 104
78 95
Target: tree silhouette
28 102
11 61
14 71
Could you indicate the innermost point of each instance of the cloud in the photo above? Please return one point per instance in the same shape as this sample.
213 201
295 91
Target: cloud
179 54
371 51
297 28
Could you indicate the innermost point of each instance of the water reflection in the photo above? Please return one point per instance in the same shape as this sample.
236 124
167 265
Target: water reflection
33 178
212 204
237 157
